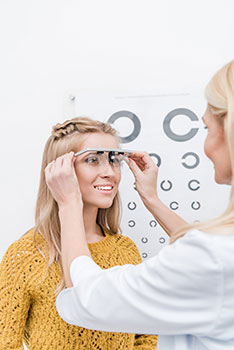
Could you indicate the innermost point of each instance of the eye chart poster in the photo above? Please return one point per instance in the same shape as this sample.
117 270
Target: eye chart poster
169 127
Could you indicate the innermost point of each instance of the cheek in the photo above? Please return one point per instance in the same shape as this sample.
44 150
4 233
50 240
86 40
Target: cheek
82 184
209 146
206 146
118 177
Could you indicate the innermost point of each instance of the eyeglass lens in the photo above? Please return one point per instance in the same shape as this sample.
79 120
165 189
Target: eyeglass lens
100 158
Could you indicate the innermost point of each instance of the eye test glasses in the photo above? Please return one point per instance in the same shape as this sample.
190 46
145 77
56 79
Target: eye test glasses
115 155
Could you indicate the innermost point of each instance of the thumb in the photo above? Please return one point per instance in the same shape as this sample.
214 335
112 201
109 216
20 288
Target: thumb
134 168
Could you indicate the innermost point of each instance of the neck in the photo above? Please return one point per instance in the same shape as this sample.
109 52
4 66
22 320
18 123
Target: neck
92 230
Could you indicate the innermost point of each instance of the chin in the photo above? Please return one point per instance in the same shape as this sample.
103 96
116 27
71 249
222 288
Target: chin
105 205
217 180
223 181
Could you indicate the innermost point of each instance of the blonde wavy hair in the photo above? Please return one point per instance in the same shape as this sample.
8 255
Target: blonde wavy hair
67 137
219 94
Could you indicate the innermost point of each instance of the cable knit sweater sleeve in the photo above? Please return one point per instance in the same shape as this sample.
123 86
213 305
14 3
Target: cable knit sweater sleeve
14 298
145 342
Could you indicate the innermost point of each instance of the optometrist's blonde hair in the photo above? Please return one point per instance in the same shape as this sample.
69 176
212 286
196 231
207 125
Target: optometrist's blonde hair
67 137
220 98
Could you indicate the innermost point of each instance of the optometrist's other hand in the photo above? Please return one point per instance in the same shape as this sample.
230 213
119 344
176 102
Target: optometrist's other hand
145 172
62 181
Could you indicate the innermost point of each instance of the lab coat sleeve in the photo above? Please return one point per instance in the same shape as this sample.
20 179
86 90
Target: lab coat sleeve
179 291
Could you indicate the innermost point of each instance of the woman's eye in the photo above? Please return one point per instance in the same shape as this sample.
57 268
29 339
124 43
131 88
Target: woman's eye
116 161
92 160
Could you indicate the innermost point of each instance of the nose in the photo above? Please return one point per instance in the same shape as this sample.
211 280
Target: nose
107 170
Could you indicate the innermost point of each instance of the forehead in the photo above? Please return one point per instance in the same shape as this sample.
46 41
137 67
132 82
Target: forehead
98 140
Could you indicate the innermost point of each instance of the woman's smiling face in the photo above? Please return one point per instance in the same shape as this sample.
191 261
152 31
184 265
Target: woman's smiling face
98 178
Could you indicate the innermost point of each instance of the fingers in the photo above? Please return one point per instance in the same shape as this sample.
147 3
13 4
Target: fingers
143 160
68 160
62 181
136 170
63 164
65 160
49 166
137 157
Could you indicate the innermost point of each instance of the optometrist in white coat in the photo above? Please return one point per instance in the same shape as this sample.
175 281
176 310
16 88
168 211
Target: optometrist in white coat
186 292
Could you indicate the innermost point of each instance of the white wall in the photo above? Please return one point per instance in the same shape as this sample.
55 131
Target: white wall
50 49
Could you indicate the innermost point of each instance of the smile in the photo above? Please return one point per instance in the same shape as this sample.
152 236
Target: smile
104 188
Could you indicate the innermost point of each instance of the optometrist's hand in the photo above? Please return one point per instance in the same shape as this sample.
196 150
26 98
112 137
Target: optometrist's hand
145 172
62 181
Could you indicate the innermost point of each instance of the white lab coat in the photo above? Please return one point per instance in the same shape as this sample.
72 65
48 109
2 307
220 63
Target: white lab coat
185 293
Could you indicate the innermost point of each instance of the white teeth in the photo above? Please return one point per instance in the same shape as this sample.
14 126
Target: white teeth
103 188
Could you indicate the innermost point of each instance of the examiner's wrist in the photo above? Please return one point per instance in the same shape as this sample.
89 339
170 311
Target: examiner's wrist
152 203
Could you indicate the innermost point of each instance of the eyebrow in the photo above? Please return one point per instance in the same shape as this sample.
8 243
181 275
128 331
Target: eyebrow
89 154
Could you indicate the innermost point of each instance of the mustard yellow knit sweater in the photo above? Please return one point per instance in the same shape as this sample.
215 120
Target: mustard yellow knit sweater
27 301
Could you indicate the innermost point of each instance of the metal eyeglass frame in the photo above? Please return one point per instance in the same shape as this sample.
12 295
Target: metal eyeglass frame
111 152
